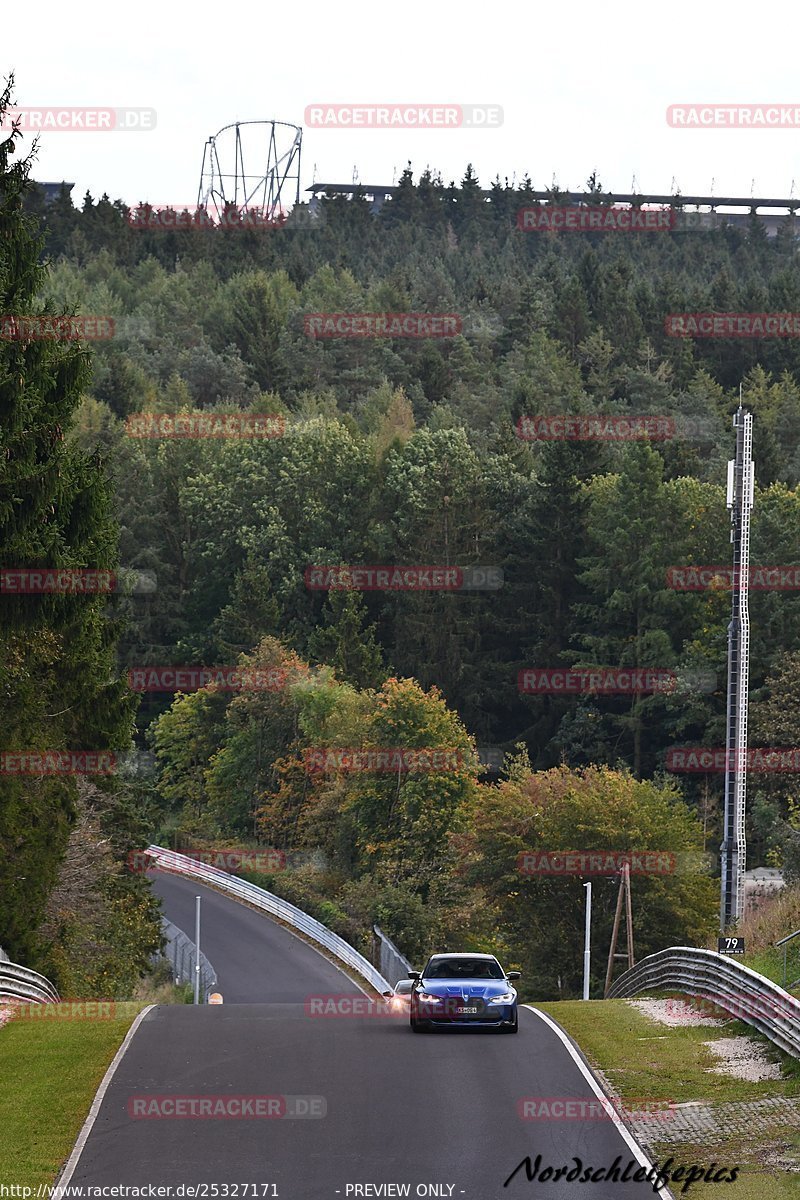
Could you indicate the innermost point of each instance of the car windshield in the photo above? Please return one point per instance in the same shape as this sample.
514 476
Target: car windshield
463 968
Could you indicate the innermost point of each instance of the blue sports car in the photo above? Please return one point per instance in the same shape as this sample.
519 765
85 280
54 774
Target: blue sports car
463 989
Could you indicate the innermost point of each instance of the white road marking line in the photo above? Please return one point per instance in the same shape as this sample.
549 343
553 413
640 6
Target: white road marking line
83 1136
622 1128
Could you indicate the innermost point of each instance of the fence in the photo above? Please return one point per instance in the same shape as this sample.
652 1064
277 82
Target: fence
729 985
169 860
785 943
391 963
181 951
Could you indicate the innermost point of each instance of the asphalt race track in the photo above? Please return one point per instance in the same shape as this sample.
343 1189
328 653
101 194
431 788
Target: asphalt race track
255 959
377 1105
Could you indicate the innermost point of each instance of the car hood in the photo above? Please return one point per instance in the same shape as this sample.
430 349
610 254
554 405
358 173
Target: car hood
486 988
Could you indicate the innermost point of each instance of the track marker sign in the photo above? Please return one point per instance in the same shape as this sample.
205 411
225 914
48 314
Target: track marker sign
730 945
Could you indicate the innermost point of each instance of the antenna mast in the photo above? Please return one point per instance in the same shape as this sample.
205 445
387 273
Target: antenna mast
733 850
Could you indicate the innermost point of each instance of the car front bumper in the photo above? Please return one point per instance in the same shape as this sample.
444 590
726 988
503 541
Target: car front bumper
488 1015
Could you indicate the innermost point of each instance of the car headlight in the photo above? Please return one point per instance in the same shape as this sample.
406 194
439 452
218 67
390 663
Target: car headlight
426 998
506 998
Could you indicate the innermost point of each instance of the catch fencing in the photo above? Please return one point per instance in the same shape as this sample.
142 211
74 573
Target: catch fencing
391 963
181 952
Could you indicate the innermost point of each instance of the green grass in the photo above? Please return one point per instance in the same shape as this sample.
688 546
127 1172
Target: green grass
769 962
644 1060
51 1070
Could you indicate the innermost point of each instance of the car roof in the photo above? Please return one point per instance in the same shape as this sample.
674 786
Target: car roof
465 954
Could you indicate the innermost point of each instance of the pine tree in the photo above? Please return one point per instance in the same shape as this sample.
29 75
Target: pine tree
57 678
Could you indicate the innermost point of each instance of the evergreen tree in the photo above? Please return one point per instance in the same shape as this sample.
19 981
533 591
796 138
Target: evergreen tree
58 684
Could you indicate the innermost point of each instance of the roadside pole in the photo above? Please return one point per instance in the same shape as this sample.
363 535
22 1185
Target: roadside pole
197 950
587 941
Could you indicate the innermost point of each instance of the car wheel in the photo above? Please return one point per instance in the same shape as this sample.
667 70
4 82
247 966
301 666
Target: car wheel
418 1026
512 1028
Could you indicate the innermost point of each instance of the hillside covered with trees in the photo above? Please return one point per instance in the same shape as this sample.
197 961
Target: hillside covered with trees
394 451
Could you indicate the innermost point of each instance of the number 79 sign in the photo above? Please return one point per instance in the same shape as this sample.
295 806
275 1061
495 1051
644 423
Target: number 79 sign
730 945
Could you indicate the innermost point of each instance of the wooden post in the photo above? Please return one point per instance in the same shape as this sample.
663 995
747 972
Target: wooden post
624 893
626 875
613 946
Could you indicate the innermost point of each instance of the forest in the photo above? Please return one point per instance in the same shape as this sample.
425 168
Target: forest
387 451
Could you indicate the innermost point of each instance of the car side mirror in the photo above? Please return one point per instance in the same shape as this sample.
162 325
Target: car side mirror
414 975
388 995
513 974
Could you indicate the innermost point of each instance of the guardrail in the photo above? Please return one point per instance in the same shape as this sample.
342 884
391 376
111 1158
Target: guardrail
181 864
729 985
18 983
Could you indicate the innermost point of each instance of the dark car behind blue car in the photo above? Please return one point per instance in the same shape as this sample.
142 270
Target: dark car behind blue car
463 990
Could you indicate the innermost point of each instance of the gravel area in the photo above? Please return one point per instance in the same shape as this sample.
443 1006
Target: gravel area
673 1012
743 1058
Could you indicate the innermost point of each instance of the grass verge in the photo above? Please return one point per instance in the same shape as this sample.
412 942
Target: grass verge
644 1060
51 1070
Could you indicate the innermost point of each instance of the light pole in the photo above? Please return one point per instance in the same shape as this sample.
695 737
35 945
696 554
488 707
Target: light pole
197 950
587 941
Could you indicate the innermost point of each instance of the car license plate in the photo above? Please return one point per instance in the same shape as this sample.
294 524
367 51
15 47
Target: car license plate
466 1010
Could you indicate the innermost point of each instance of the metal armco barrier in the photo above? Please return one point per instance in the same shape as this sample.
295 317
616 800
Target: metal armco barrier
18 983
181 864
736 989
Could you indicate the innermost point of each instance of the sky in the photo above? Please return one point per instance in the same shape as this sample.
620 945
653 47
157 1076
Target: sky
582 87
